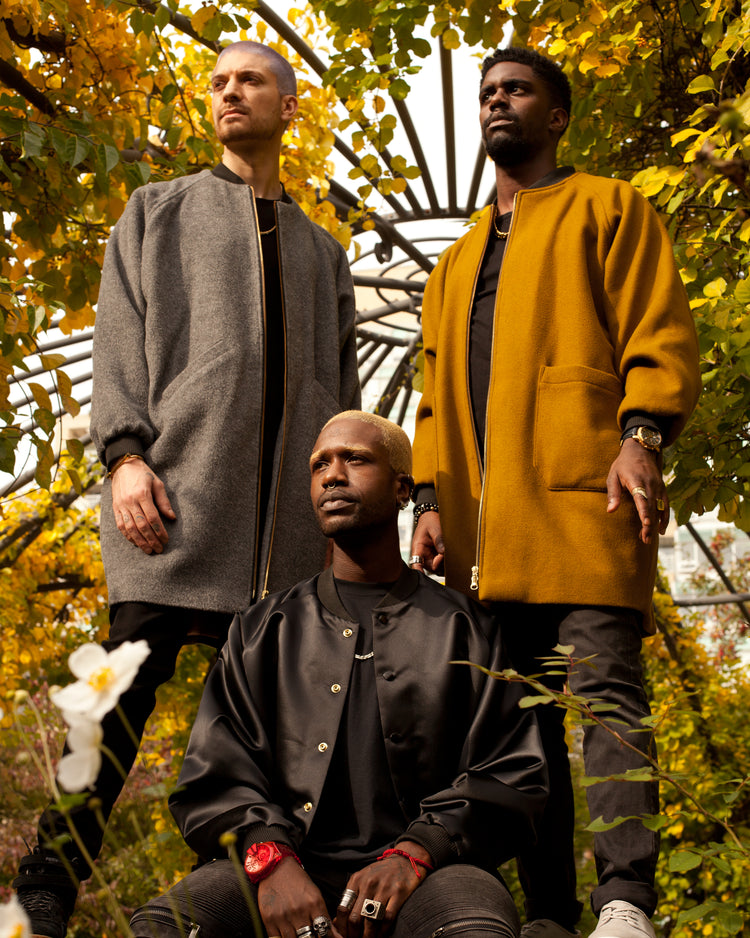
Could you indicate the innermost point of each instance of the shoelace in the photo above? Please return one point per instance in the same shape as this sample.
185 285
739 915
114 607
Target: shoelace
625 915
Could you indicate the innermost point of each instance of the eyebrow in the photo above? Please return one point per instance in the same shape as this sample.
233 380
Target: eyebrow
526 82
347 451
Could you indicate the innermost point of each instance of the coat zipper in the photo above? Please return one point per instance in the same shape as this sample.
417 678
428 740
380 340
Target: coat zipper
264 592
475 568
481 924
263 402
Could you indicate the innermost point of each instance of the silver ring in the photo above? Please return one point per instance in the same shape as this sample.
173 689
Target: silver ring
373 909
306 931
348 898
415 558
321 924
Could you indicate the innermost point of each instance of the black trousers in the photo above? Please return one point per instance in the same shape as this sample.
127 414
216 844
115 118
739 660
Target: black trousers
212 902
626 855
166 629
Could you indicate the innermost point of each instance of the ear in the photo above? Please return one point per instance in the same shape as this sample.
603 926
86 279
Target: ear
558 120
404 486
289 106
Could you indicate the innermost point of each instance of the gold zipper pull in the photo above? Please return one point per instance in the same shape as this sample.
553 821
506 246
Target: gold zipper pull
475 578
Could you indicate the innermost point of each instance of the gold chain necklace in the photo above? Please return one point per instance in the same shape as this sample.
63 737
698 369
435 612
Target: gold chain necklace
502 235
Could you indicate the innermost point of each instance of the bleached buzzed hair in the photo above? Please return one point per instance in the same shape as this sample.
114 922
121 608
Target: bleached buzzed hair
285 77
393 438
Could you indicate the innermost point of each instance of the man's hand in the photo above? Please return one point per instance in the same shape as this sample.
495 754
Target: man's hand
635 469
289 899
427 543
139 501
390 881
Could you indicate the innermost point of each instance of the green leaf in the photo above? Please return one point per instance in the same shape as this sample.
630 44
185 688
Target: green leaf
695 914
75 448
687 860
700 84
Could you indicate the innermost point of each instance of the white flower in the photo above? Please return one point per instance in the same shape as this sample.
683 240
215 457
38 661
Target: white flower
103 676
79 768
14 923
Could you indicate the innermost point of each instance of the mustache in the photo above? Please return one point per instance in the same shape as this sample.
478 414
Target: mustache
334 495
505 116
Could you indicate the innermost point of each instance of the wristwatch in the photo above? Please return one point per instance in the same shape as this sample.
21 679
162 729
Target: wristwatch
262 859
648 437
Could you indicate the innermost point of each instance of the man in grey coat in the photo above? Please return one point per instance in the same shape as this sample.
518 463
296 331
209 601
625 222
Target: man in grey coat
224 341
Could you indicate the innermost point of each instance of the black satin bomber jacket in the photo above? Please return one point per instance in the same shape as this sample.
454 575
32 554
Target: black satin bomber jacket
466 761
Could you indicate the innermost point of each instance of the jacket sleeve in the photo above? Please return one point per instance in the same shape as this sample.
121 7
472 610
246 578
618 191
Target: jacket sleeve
226 779
121 380
649 318
489 812
424 448
350 395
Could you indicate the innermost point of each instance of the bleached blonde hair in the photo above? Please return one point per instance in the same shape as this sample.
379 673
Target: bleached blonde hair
392 437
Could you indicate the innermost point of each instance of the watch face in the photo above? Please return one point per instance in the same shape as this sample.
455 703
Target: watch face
649 437
260 856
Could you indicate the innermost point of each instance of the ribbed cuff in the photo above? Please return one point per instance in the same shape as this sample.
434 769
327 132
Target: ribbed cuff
435 839
122 445
425 493
262 833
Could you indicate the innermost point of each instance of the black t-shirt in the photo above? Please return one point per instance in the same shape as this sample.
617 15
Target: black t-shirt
359 815
481 326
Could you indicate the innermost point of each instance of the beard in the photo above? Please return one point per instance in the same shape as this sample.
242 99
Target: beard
507 149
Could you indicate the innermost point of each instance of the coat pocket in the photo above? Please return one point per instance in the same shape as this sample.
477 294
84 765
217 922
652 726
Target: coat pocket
576 435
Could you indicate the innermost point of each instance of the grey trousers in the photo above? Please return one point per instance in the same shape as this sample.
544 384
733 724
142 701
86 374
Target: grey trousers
213 903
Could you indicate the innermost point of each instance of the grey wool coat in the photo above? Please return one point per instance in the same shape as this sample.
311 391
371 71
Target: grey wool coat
179 363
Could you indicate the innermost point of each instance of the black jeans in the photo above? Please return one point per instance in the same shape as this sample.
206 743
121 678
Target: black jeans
210 903
626 855
166 629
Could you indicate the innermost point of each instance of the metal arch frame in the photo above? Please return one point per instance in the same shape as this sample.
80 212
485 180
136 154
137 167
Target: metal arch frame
376 338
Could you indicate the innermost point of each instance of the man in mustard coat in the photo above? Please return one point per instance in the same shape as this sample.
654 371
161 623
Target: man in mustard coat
560 356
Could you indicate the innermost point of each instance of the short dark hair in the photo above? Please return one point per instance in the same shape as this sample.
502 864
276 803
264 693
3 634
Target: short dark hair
545 69
285 77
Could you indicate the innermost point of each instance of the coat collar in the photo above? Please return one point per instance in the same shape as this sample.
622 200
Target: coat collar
224 172
401 590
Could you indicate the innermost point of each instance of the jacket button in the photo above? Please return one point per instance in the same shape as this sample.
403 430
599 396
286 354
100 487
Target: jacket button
307 807
347 633
382 618
335 688
322 747
396 738
388 675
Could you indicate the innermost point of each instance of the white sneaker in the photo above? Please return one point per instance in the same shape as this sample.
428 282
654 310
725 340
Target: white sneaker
546 928
620 919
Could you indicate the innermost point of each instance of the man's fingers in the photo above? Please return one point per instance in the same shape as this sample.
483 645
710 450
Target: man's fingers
161 499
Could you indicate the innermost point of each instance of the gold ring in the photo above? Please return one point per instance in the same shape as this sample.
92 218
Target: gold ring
639 490
660 504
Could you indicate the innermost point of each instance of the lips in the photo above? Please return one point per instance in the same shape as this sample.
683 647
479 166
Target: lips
334 501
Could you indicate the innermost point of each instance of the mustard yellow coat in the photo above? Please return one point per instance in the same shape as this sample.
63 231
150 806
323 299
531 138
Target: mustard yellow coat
591 322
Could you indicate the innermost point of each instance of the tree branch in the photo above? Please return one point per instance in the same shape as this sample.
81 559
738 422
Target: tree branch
10 76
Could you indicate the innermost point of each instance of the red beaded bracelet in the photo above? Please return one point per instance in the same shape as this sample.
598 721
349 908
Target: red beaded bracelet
415 861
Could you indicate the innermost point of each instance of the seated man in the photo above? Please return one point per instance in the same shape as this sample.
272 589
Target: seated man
362 774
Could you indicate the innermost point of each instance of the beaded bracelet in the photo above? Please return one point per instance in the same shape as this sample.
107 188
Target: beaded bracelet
415 861
419 510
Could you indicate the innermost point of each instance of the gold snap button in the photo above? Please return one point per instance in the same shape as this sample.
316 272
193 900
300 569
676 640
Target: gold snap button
322 747
335 688
308 806
347 633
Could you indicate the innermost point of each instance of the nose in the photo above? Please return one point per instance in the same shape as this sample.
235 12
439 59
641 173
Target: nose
334 474
231 89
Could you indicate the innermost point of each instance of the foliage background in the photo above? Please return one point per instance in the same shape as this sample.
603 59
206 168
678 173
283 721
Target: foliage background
98 97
